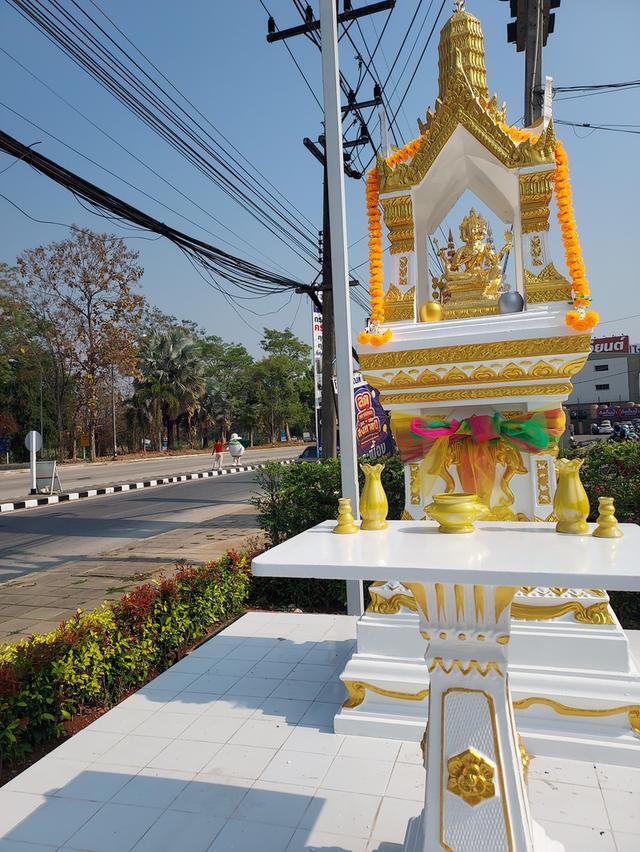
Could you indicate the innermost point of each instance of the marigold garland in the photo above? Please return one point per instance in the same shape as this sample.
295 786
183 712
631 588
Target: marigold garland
579 317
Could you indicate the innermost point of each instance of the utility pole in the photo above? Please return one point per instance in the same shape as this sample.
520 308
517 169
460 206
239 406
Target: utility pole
533 24
113 411
335 273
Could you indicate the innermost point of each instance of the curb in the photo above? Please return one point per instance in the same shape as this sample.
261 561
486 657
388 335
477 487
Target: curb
34 502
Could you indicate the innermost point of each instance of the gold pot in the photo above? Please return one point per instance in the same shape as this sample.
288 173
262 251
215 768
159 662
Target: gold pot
373 500
456 512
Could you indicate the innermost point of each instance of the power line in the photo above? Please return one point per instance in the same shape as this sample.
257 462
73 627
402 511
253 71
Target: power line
614 128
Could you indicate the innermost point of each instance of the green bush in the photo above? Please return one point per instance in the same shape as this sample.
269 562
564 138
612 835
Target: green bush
612 469
293 499
95 658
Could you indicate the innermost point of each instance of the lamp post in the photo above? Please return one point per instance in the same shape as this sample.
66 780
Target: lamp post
113 410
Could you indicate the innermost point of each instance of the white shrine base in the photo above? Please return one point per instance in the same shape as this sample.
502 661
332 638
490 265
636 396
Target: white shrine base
593 669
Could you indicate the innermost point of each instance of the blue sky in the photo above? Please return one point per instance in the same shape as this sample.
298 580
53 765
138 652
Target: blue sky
217 54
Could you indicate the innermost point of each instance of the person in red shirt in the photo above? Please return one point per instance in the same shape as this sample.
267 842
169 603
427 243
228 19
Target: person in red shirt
218 450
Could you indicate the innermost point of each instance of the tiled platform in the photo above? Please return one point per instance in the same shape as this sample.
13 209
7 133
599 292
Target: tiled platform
232 750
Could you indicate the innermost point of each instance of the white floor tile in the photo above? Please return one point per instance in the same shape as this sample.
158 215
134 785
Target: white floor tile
307 671
286 709
618 777
86 745
626 842
134 750
287 652
310 840
410 753
114 827
358 775
407 782
240 761
190 703
570 803
265 733
297 767
275 804
16 846
579 838
46 777
98 783
333 691
351 814
320 714
212 729
249 653
370 748
303 690
185 755
214 684
147 700
231 668
172 679
177 830
153 788
315 741
238 707
38 819
255 687
393 818
378 845
238 836
624 811
164 725
217 795
277 671
119 721
566 771
194 664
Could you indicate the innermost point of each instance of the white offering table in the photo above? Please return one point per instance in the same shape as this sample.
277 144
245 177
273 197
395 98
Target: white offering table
464 584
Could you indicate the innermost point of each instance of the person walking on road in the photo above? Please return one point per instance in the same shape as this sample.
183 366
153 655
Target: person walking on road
218 451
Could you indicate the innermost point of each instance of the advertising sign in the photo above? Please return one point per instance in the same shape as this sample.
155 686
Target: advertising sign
615 345
373 428
609 411
316 354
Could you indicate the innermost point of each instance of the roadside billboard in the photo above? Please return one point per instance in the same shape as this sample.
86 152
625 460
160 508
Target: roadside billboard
617 344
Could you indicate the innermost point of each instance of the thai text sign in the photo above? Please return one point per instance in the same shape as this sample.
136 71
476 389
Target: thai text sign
615 345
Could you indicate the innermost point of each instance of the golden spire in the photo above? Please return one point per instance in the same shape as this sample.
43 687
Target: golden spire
462 32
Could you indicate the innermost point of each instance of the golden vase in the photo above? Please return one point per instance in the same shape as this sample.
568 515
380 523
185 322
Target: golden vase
373 500
456 512
570 504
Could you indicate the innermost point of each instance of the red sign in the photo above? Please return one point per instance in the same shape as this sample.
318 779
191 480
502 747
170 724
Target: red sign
614 345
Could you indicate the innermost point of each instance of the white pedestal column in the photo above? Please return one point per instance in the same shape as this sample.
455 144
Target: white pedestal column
475 785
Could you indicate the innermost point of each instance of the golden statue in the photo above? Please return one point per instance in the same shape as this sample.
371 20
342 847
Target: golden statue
472 272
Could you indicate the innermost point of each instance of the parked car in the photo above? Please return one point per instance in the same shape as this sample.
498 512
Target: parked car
309 454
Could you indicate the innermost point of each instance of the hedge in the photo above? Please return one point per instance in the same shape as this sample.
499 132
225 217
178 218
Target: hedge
95 658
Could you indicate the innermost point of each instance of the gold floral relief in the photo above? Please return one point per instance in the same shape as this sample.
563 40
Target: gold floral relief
560 389
414 484
535 247
542 482
470 776
567 344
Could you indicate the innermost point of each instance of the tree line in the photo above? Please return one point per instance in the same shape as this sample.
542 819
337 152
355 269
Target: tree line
78 338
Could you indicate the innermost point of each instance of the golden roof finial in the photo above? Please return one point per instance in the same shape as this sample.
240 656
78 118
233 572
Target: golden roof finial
462 32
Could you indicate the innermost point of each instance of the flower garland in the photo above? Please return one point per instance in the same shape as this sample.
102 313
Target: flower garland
579 317
373 334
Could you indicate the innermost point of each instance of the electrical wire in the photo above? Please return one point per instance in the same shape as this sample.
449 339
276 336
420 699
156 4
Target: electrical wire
614 128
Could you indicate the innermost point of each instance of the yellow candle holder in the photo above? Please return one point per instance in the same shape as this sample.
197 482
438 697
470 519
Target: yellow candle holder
607 521
346 523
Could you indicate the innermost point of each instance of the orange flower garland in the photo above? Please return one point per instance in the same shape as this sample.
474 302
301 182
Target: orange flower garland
580 317
376 279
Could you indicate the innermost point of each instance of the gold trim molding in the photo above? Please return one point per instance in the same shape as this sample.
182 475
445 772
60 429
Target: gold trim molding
560 389
565 345
357 689
548 286
542 481
483 374
632 710
399 306
535 195
597 613
472 666
398 217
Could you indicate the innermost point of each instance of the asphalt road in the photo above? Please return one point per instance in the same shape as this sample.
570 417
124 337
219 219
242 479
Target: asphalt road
15 484
32 540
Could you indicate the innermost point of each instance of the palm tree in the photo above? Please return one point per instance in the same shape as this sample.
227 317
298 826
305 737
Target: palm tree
171 377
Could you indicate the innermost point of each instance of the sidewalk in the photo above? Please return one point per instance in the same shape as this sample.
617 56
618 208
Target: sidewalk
38 602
